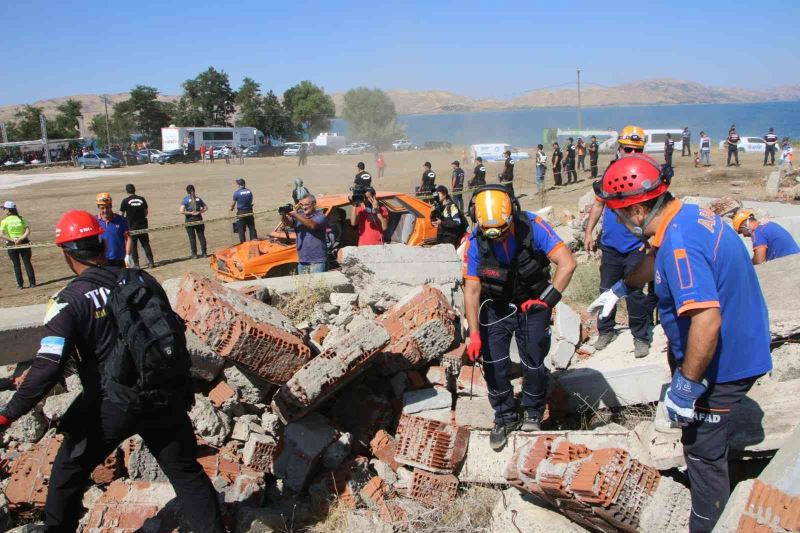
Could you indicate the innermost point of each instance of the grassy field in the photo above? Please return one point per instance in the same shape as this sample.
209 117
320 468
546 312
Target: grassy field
270 179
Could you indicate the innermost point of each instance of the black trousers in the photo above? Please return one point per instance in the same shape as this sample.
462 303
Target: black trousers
733 151
769 151
510 186
557 175
93 429
593 166
23 254
248 223
144 240
532 331
614 266
198 232
705 448
458 199
572 176
686 149
668 158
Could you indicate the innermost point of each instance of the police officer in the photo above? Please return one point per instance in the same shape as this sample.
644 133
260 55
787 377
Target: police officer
478 176
733 146
457 184
363 178
594 153
507 176
558 157
428 183
448 219
508 291
134 209
621 254
243 203
569 161
705 149
669 148
772 146
705 284
770 240
79 331
686 138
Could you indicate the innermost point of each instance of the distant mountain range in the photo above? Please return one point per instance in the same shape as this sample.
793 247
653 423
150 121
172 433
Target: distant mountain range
646 92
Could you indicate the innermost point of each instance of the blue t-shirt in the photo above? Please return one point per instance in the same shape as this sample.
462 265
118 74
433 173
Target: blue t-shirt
311 243
244 199
114 232
775 239
701 262
543 238
616 235
199 204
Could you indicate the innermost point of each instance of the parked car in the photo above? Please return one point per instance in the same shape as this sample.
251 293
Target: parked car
177 156
130 158
292 150
276 255
345 150
654 140
150 154
260 150
402 144
101 160
748 144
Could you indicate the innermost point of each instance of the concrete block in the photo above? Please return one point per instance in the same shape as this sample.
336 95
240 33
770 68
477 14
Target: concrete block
142 465
249 389
56 405
303 443
209 423
343 299
333 280
21 329
206 364
781 288
27 428
426 399
567 324
614 387
399 263
773 182
560 355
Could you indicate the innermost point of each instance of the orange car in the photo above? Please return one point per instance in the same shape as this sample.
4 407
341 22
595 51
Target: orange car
409 223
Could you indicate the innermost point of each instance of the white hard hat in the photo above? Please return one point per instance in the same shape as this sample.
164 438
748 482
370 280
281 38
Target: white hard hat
9 205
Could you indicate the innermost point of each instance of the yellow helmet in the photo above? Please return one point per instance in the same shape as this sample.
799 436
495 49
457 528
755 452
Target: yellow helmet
632 137
740 217
103 198
493 211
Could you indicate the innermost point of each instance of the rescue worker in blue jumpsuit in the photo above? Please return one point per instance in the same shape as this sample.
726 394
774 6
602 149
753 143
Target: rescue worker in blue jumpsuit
770 240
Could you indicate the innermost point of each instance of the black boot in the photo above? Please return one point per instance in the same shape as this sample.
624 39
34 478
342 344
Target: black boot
499 435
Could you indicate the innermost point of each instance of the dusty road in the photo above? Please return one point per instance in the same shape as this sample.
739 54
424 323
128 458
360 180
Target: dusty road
43 202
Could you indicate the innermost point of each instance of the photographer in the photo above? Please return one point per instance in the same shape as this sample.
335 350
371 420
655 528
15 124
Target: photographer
369 217
310 226
447 218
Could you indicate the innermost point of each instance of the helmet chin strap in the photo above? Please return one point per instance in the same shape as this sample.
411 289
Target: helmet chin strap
638 231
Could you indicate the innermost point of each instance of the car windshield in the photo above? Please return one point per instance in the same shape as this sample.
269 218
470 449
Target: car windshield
103 154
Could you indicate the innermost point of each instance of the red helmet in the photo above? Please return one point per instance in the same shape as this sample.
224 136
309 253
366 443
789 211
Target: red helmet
76 226
632 179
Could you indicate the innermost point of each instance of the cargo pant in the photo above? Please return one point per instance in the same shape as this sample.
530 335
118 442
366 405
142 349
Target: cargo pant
532 331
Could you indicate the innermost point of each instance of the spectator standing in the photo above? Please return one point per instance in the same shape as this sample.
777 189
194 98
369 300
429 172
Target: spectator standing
226 153
428 183
541 168
14 230
134 209
594 153
363 178
240 153
448 218
507 177
115 232
243 203
301 155
211 154
772 146
581 147
705 149
192 208
733 146
457 185
299 191
669 149
558 157
686 138
371 219
787 153
381 164
310 227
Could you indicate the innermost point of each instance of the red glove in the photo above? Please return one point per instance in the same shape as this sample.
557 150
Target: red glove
529 305
474 346
4 422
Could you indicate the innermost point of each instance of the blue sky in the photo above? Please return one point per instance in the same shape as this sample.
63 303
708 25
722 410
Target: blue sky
481 49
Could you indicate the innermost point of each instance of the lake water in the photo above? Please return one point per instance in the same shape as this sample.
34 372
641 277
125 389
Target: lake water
524 127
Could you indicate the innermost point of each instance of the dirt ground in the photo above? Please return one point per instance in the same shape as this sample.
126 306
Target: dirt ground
270 179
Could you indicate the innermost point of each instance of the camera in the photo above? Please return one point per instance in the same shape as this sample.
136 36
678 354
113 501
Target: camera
358 194
438 207
285 209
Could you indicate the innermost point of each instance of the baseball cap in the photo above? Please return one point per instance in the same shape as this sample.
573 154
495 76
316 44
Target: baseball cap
9 205
240 181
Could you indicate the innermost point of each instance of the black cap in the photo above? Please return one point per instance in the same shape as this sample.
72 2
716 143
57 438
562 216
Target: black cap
479 159
240 181
456 163
442 189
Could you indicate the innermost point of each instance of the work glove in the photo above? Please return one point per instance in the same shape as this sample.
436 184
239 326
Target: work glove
548 299
4 422
605 302
129 261
534 305
474 346
680 398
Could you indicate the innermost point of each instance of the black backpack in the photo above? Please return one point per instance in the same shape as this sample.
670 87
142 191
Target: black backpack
148 367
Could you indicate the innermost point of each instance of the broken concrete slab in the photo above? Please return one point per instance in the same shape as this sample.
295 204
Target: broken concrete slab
21 329
773 182
426 399
254 335
142 465
786 362
213 425
343 299
28 428
519 512
781 288
560 355
399 263
331 370
206 364
249 389
567 324
303 443
333 280
56 405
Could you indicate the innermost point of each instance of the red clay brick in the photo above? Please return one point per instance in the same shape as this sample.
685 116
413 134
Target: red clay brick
383 446
221 393
125 507
110 469
766 504
432 489
431 445
472 374
30 473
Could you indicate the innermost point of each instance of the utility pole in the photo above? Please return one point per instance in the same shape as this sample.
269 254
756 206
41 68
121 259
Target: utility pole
580 121
43 126
3 132
104 98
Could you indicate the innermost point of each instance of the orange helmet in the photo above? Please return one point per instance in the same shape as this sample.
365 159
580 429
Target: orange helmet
493 210
103 198
741 216
632 137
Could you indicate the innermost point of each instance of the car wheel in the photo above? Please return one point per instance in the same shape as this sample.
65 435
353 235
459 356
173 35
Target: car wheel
102 164
83 166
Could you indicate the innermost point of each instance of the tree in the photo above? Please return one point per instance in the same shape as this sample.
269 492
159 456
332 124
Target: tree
207 100
120 127
145 111
65 124
27 126
309 108
276 121
371 116
250 105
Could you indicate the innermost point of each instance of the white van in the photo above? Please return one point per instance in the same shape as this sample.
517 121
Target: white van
494 152
654 140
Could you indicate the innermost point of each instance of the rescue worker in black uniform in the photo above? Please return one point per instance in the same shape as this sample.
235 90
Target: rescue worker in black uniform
79 329
594 153
448 218
507 177
478 176
669 148
363 178
428 183
508 292
733 146
572 175
558 157
772 146
457 184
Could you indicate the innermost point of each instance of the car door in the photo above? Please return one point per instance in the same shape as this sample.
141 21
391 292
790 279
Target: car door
92 160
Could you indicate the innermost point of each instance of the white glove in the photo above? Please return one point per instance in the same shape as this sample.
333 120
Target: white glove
606 302
129 261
